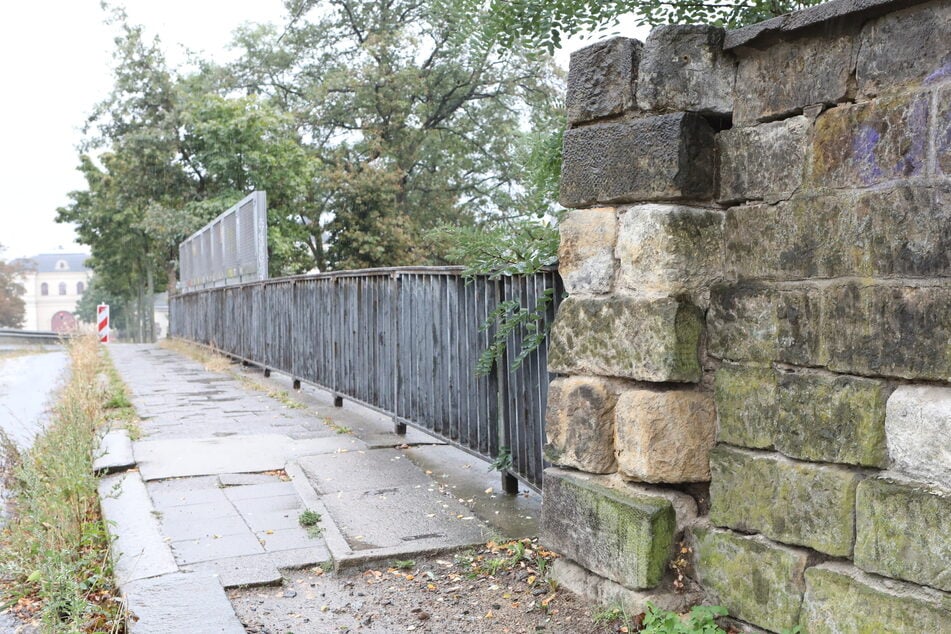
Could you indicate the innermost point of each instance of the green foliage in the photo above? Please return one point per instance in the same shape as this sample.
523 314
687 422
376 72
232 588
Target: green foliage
309 518
700 620
55 545
12 308
503 461
404 564
545 23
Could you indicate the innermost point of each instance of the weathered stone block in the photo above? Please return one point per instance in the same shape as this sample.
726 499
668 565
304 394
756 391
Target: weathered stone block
863 144
903 530
808 416
788 76
746 405
665 435
918 432
840 598
763 162
942 132
884 330
792 502
756 580
580 423
900 231
602 79
586 252
667 157
668 248
851 327
683 67
763 324
624 536
904 47
629 337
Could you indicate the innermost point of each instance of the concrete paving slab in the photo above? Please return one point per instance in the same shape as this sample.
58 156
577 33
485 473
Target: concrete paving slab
259 506
382 440
361 471
208 548
114 453
243 479
176 529
242 572
184 492
315 555
192 602
177 458
286 539
138 550
197 512
406 517
273 520
264 490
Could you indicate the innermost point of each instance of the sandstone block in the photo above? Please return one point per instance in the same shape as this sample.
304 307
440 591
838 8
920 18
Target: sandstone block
683 67
900 231
850 327
668 248
903 530
746 403
629 337
763 162
665 435
942 132
918 432
755 579
788 76
859 145
904 47
809 416
763 324
884 330
840 598
602 79
579 423
792 502
586 252
621 535
667 157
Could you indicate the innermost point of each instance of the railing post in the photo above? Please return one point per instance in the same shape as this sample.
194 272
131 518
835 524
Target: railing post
399 428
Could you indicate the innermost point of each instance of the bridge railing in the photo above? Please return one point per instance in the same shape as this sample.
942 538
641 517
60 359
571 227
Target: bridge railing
403 341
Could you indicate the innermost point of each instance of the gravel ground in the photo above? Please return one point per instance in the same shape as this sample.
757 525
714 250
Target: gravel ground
498 589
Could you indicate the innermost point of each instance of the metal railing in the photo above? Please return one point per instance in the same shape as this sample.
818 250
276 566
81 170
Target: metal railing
404 341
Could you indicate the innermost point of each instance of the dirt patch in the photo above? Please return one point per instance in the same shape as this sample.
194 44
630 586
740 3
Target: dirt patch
501 588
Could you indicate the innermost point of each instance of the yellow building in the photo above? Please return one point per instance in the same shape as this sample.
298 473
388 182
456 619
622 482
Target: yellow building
54 282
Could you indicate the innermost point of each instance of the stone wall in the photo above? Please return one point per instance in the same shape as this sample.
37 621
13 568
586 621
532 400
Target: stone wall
754 360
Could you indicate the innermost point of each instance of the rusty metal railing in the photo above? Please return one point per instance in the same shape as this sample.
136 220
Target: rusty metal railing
403 341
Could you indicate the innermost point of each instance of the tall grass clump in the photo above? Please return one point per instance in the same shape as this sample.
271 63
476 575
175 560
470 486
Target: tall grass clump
54 554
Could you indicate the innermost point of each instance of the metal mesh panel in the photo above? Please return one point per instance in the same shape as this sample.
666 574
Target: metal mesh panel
230 249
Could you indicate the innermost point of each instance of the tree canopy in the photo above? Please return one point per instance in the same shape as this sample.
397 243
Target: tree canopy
546 23
368 123
12 307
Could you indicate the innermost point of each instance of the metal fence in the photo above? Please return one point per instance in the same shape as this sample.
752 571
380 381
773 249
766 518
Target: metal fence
230 249
403 341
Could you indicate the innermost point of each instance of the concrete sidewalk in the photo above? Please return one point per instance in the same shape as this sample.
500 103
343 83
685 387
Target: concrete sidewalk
211 496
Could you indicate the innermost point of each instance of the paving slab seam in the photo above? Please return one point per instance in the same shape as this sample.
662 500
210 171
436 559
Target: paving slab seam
333 537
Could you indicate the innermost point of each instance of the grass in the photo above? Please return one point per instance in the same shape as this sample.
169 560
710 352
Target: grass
55 545
212 361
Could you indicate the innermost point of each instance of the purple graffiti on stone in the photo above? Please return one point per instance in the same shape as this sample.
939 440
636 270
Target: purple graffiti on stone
943 72
913 160
863 153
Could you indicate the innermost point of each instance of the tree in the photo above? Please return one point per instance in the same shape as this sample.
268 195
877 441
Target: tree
12 307
546 22
414 120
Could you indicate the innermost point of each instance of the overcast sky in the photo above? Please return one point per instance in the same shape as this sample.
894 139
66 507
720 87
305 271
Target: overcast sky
55 64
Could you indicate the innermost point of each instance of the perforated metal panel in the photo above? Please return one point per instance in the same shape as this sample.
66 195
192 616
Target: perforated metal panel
231 249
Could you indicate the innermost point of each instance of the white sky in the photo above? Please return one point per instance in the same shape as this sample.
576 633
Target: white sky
55 64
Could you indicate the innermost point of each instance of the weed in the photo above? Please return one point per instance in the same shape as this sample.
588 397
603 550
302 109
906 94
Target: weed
309 518
55 545
404 564
613 615
503 461
340 429
700 620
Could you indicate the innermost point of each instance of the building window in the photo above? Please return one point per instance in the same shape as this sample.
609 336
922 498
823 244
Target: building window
61 265
44 289
80 288
62 288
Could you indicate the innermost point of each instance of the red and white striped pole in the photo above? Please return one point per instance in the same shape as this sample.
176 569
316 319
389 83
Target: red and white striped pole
102 311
